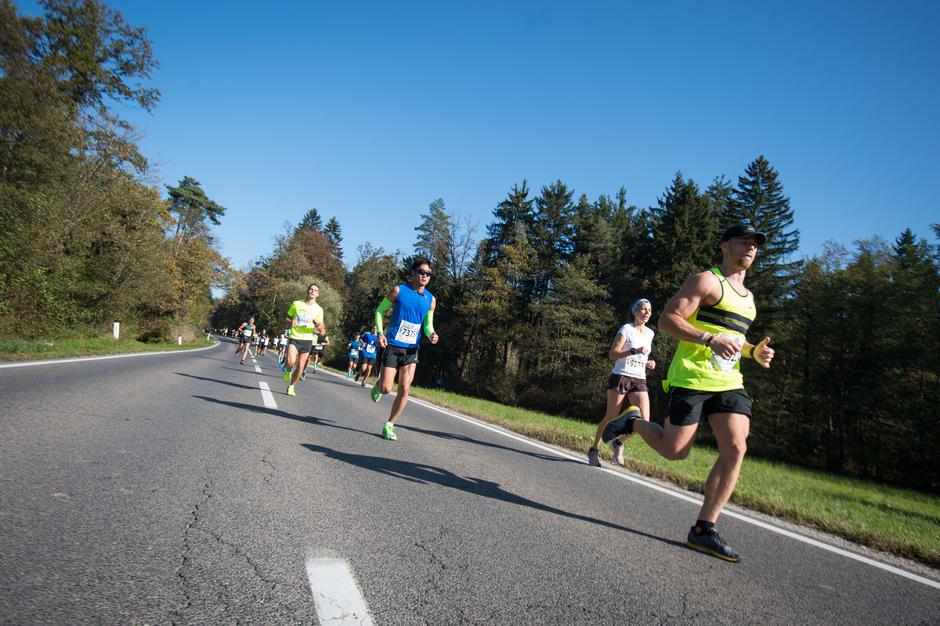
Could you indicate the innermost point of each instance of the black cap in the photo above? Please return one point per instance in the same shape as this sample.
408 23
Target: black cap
744 230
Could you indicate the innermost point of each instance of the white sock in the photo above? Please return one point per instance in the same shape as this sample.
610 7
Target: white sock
389 424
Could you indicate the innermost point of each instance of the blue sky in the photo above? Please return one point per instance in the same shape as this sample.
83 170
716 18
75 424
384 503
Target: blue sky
369 111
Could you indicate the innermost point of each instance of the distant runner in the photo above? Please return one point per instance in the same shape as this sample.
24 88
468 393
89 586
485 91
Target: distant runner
367 362
306 318
353 348
710 315
630 348
412 308
323 340
244 332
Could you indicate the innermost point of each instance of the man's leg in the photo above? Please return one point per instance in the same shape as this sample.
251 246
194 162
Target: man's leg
731 431
405 375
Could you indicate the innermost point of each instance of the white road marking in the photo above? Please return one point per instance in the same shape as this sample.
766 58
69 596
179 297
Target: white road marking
267 396
336 594
683 496
101 358
257 369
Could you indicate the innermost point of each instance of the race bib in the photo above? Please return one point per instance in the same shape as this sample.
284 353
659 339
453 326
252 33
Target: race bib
370 349
303 319
247 333
407 332
353 353
726 365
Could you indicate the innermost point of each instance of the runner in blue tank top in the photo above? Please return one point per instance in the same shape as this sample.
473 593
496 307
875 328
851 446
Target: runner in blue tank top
412 309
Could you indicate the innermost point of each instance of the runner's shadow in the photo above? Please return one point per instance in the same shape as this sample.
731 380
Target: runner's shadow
307 419
215 380
471 440
428 474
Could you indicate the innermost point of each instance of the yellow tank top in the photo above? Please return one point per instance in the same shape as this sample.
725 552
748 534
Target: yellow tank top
694 366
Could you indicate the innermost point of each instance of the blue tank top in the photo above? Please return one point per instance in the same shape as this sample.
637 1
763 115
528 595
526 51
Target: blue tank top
408 314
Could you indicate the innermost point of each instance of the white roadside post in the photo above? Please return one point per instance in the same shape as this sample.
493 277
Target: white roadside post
179 340
116 329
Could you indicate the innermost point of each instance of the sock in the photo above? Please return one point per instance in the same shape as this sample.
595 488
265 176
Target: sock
701 526
389 424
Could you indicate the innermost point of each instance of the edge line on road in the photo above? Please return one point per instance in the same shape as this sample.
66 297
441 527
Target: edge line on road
79 359
622 474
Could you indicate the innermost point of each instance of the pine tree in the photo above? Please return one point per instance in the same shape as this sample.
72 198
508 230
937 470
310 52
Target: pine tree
311 221
434 235
335 237
517 208
758 200
684 227
193 208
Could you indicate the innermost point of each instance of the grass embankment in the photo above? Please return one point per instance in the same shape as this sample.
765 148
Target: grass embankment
38 349
893 519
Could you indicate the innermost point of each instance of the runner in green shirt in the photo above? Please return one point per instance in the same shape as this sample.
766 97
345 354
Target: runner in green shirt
306 320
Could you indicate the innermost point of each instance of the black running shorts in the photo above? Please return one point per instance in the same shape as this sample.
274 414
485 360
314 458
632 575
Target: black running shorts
626 384
393 356
303 345
686 406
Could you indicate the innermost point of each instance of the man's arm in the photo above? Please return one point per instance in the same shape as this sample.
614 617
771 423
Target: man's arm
429 322
384 305
703 287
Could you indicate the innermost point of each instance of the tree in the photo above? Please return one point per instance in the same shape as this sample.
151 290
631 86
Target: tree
434 234
684 227
335 237
193 209
517 208
758 200
311 221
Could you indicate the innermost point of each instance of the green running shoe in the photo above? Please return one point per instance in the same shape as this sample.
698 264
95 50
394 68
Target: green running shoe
287 376
376 394
388 432
290 390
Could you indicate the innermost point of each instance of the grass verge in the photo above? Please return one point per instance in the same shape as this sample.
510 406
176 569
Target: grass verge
38 349
893 519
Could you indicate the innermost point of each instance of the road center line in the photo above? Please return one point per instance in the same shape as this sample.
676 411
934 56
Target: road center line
267 396
336 594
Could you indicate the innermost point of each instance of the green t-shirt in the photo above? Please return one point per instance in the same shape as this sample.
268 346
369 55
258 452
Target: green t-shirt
304 319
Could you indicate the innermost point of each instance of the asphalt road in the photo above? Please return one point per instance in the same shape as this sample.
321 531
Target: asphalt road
161 489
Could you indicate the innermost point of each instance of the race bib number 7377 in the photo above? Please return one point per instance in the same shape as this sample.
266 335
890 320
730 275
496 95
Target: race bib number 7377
407 332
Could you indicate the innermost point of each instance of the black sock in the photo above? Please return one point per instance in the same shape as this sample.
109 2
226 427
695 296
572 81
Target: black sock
701 526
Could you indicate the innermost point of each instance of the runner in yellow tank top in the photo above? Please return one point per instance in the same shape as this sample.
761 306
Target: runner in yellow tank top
710 315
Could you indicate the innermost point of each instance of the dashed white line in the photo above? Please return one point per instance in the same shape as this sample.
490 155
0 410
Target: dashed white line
267 396
257 369
336 594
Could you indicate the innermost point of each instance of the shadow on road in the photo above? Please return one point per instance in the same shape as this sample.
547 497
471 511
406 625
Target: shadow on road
488 444
216 380
307 419
428 474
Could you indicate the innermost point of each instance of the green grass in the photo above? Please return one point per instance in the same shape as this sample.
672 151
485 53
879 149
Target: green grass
893 519
37 349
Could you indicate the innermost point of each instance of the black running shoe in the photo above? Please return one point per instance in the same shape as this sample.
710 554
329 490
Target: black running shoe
710 542
592 458
623 425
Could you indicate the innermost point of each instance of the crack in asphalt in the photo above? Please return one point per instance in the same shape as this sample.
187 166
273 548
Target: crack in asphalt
184 556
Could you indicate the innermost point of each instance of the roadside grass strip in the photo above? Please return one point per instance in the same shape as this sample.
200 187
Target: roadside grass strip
22 350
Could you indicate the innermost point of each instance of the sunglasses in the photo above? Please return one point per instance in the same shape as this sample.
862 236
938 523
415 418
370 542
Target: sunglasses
423 273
